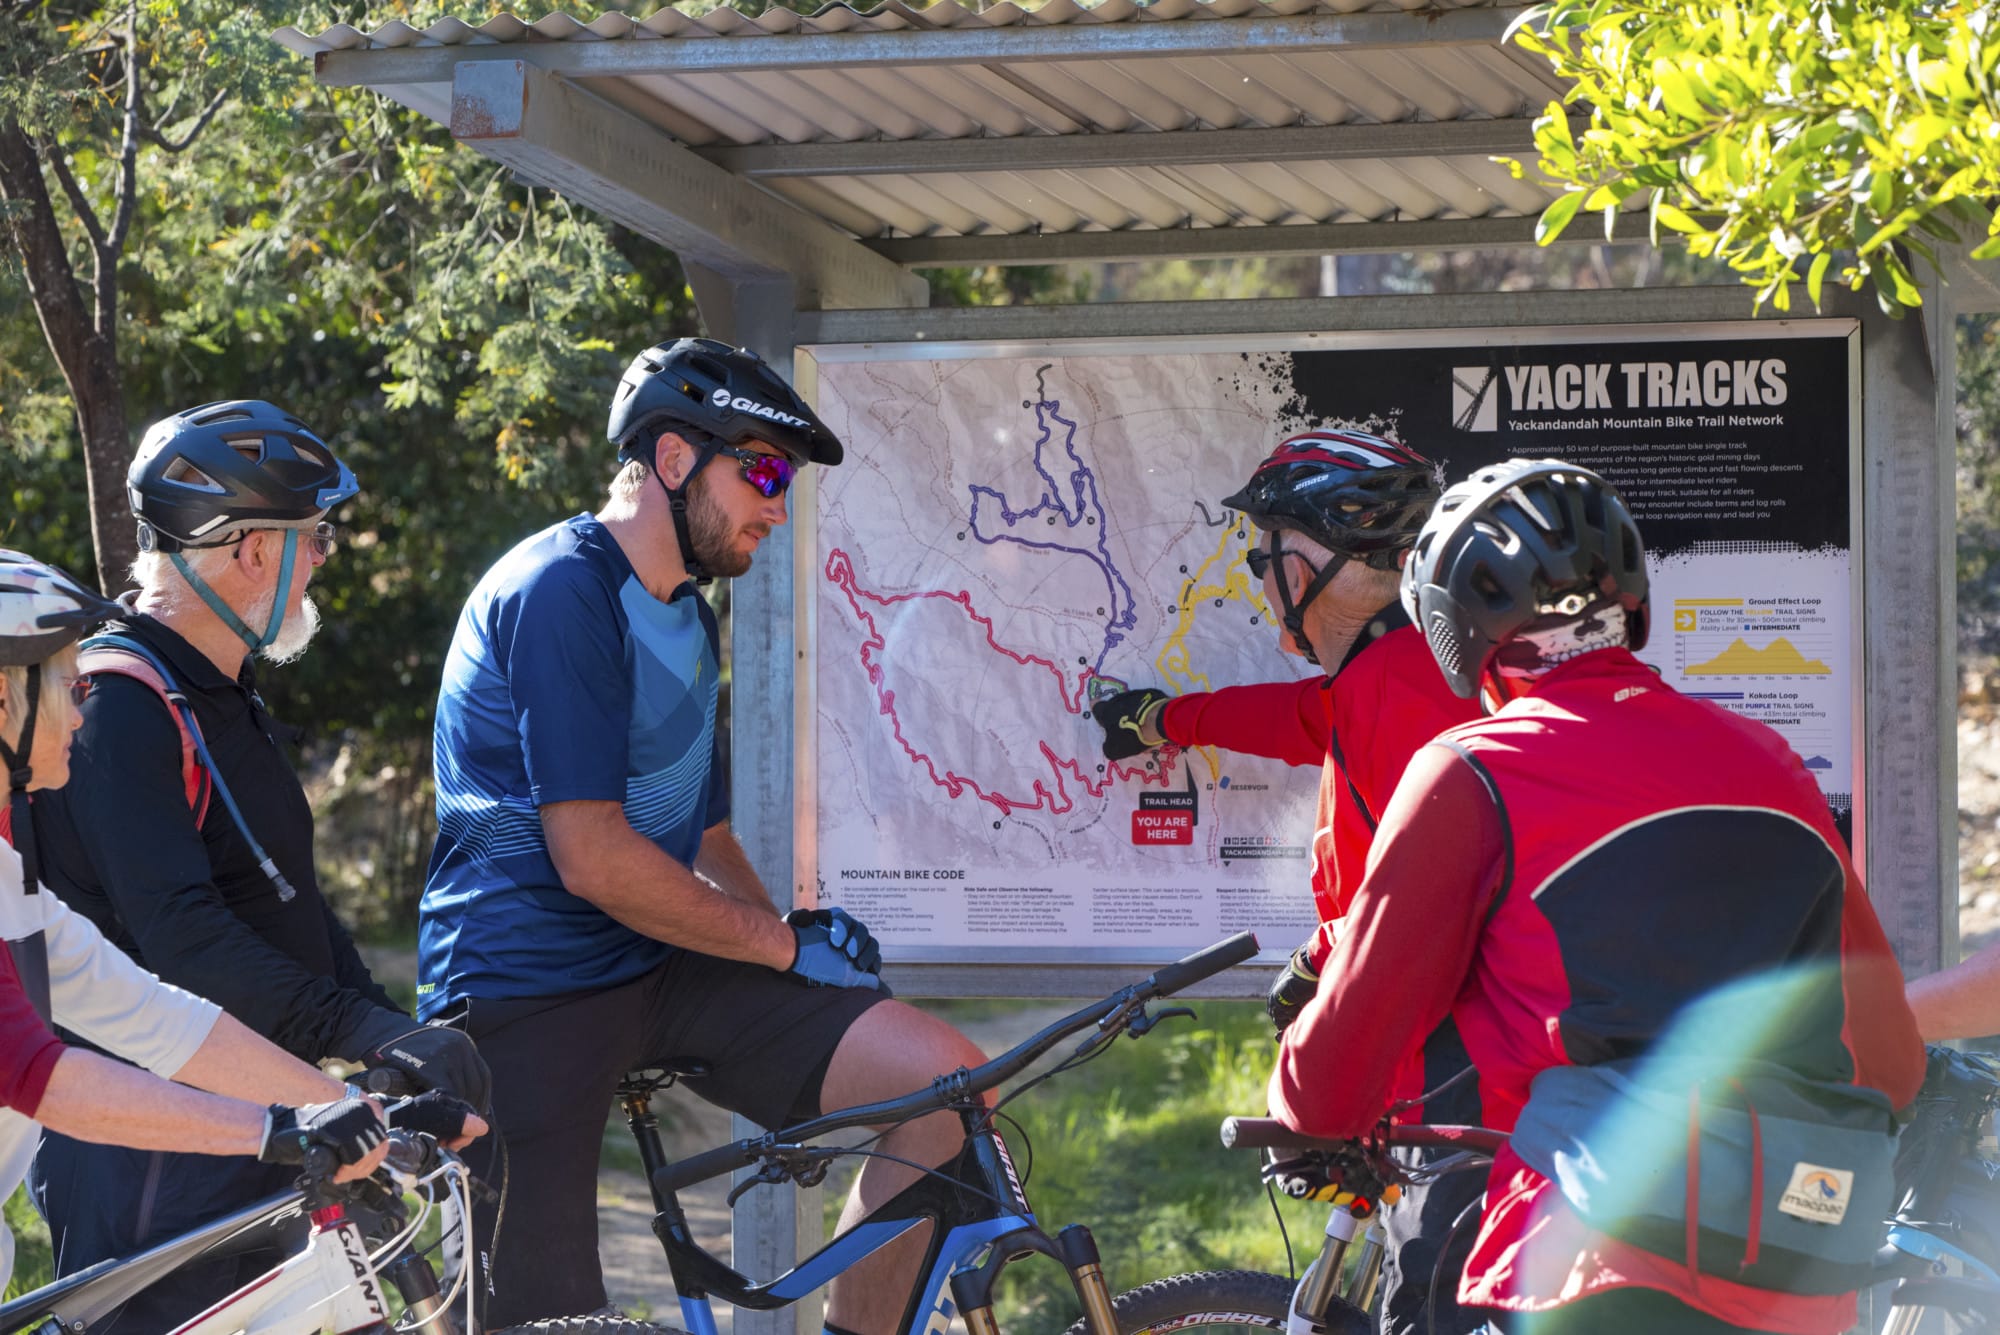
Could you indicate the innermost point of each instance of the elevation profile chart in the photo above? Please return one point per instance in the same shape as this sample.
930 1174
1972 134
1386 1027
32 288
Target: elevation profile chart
1019 532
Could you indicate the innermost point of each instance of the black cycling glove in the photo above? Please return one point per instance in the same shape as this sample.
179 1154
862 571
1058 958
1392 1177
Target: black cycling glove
1126 717
436 1114
435 1057
1296 984
350 1128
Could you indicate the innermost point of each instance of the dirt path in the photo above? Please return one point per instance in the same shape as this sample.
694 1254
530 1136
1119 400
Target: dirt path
635 1273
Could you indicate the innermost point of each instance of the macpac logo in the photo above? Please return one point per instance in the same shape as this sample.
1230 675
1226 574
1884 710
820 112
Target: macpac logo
722 399
1819 1195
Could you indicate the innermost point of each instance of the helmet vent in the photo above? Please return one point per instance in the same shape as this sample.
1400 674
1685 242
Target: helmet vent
184 474
1444 643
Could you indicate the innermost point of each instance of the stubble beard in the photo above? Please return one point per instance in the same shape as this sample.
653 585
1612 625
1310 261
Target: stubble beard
711 535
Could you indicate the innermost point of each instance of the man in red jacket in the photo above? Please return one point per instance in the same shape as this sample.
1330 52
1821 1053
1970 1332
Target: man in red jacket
1570 878
1336 512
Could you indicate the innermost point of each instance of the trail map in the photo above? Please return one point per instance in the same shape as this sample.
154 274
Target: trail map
1013 537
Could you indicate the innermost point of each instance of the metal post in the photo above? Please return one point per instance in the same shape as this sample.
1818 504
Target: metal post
772 1226
1909 812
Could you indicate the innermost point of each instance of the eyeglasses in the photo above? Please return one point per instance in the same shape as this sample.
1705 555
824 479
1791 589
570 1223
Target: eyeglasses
325 538
770 474
79 690
1259 562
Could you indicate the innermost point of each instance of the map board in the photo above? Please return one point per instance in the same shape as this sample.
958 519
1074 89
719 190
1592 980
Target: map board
1018 531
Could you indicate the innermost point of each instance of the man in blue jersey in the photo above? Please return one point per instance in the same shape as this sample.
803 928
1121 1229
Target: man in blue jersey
587 910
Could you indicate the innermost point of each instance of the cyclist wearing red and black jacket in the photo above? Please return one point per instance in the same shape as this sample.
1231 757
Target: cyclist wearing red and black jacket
1571 875
1337 511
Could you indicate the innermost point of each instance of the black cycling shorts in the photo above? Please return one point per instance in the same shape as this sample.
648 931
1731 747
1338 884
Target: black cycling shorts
766 1037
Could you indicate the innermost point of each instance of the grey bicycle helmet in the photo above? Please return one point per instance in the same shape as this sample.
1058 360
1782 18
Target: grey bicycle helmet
711 395
203 474
1361 497
1519 541
42 610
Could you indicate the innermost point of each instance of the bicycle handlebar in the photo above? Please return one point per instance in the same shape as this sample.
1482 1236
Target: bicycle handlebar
1268 1133
1114 1011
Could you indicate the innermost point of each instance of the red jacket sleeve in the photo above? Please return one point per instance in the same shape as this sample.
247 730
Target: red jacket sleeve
1405 948
1285 720
28 1051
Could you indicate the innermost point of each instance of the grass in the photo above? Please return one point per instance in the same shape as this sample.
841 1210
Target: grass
34 1260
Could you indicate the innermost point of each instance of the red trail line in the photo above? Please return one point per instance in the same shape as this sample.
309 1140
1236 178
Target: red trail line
840 572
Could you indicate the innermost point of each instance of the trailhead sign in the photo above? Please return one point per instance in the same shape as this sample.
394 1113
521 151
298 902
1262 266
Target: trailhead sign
1020 531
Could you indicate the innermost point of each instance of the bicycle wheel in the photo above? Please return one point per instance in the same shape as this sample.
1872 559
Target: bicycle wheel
1219 1300
590 1325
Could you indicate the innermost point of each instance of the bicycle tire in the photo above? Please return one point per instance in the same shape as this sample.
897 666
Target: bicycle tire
1219 1300
590 1325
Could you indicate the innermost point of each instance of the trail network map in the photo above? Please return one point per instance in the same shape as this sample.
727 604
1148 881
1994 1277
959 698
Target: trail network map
1012 537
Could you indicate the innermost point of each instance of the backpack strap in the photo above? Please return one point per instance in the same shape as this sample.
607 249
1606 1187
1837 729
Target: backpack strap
107 653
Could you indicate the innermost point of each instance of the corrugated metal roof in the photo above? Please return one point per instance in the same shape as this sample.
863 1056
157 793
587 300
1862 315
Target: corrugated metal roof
1044 106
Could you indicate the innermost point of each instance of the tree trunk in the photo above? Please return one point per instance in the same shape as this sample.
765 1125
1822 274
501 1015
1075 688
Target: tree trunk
98 388
87 355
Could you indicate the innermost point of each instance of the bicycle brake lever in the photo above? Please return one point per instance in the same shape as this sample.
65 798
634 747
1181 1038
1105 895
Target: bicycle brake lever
1146 1020
768 1173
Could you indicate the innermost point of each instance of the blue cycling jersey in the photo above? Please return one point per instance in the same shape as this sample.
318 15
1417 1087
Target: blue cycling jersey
566 681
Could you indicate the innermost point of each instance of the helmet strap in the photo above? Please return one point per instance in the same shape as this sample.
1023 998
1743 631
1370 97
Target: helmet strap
677 503
251 639
1294 614
19 775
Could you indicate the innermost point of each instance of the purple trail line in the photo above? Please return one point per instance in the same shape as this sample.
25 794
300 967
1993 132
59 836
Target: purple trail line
1087 503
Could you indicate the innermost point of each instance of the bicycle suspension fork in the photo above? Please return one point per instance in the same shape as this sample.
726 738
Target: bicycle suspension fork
1316 1292
972 1286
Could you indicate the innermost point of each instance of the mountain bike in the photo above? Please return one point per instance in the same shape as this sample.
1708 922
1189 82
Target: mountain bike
332 1284
978 1215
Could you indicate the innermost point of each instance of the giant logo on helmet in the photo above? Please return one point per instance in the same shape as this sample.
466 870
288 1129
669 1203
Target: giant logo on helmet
723 399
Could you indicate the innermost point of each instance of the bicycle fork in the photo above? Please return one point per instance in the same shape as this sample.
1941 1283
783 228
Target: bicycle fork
1317 1291
972 1286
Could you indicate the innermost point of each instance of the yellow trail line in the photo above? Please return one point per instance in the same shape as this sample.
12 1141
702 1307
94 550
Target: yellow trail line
1235 586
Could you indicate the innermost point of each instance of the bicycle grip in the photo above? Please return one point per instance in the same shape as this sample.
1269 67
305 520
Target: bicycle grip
1204 963
389 1083
319 1163
684 1173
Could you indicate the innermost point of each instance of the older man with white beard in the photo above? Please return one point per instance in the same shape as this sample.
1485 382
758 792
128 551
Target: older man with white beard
184 833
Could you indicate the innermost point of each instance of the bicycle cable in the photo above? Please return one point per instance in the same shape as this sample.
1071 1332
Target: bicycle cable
1027 1143
1291 1261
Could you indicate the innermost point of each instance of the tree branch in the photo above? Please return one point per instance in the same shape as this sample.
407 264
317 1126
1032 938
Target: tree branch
44 255
128 183
154 134
51 153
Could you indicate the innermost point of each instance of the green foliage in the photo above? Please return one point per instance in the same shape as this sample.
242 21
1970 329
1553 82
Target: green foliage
1779 135
34 1257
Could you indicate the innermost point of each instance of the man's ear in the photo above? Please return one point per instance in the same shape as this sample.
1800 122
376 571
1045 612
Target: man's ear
672 458
255 552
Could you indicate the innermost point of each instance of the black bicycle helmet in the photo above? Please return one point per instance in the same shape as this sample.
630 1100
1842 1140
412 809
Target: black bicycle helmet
205 473
702 386
1516 542
1352 493
1359 496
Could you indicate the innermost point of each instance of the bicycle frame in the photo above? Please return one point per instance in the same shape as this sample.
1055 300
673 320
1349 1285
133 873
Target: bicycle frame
980 1222
329 1284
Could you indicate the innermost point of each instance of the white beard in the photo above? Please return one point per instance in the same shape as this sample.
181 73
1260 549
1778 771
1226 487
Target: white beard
293 636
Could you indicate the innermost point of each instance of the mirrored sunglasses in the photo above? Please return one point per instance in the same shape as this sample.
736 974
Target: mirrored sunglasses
79 690
770 474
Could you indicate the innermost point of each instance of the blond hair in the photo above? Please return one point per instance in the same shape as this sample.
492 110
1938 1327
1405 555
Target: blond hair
56 669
